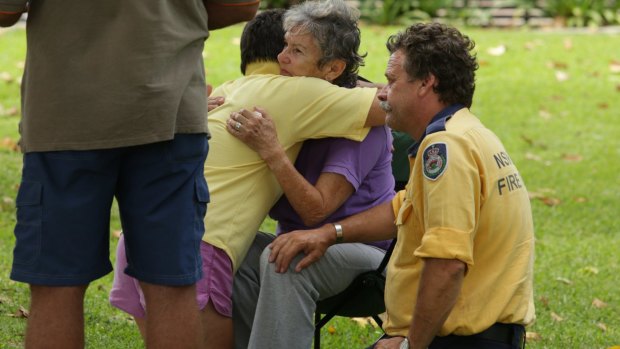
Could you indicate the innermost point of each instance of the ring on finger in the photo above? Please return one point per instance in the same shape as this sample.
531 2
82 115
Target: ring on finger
237 126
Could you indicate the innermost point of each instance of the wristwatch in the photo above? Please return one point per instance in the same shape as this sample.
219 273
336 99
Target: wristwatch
404 344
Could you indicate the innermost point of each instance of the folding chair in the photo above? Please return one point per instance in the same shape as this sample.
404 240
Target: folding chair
362 298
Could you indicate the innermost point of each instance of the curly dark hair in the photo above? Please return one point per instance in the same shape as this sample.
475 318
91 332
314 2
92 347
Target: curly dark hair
441 50
262 38
333 24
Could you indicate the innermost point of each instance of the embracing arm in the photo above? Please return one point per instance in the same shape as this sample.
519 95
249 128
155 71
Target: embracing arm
313 203
376 115
223 15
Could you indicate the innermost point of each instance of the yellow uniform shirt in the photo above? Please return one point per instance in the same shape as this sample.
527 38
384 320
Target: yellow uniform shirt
465 200
241 186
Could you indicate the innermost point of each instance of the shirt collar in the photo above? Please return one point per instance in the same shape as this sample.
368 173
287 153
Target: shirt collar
262 68
437 124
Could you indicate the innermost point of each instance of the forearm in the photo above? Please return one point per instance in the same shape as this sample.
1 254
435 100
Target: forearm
221 15
374 224
305 199
440 285
376 115
8 19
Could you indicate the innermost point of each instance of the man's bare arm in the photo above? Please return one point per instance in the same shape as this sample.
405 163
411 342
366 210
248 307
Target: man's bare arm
440 285
376 115
223 15
374 224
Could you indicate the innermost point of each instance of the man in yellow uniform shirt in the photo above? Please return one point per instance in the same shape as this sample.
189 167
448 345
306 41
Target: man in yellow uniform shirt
461 275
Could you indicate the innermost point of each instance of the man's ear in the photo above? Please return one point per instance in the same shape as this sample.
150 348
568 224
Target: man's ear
334 69
428 84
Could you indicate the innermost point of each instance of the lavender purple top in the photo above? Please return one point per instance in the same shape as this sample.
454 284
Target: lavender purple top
367 165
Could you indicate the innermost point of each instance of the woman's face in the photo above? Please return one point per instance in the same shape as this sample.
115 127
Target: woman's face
300 56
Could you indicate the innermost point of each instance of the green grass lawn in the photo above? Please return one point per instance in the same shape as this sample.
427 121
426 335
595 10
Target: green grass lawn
552 97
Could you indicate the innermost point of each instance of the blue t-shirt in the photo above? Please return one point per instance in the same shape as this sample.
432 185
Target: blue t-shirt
366 165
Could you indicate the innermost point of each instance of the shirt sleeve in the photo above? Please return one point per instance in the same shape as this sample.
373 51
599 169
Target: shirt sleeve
355 160
12 6
329 110
452 199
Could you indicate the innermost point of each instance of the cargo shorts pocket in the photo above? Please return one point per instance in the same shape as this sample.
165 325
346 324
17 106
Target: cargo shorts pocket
202 198
29 222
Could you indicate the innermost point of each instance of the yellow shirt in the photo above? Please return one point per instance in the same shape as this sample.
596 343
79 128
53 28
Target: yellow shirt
465 200
241 186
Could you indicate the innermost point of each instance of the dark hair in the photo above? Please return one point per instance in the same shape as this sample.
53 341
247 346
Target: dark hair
333 24
434 48
262 38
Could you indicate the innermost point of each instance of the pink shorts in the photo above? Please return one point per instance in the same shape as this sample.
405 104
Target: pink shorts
215 285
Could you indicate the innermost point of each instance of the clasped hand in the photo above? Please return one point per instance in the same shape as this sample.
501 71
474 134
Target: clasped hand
286 246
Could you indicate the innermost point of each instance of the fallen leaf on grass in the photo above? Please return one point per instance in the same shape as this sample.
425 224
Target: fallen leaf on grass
331 329
10 144
532 336
580 199
530 45
597 303
532 156
531 142
364 321
12 111
590 270
4 299
614 66
546 115
561 76
557 65
6 77
603 105
564 280
549 201
497 50
568 44
555 317
572 157
7 204
236 41
21 313
602 326
543 196
614 347
544 301
20 64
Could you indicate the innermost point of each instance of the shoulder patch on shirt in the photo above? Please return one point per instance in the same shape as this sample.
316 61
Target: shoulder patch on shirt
435 159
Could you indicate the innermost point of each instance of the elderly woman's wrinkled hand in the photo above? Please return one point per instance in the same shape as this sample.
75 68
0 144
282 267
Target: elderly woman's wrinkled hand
256 129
